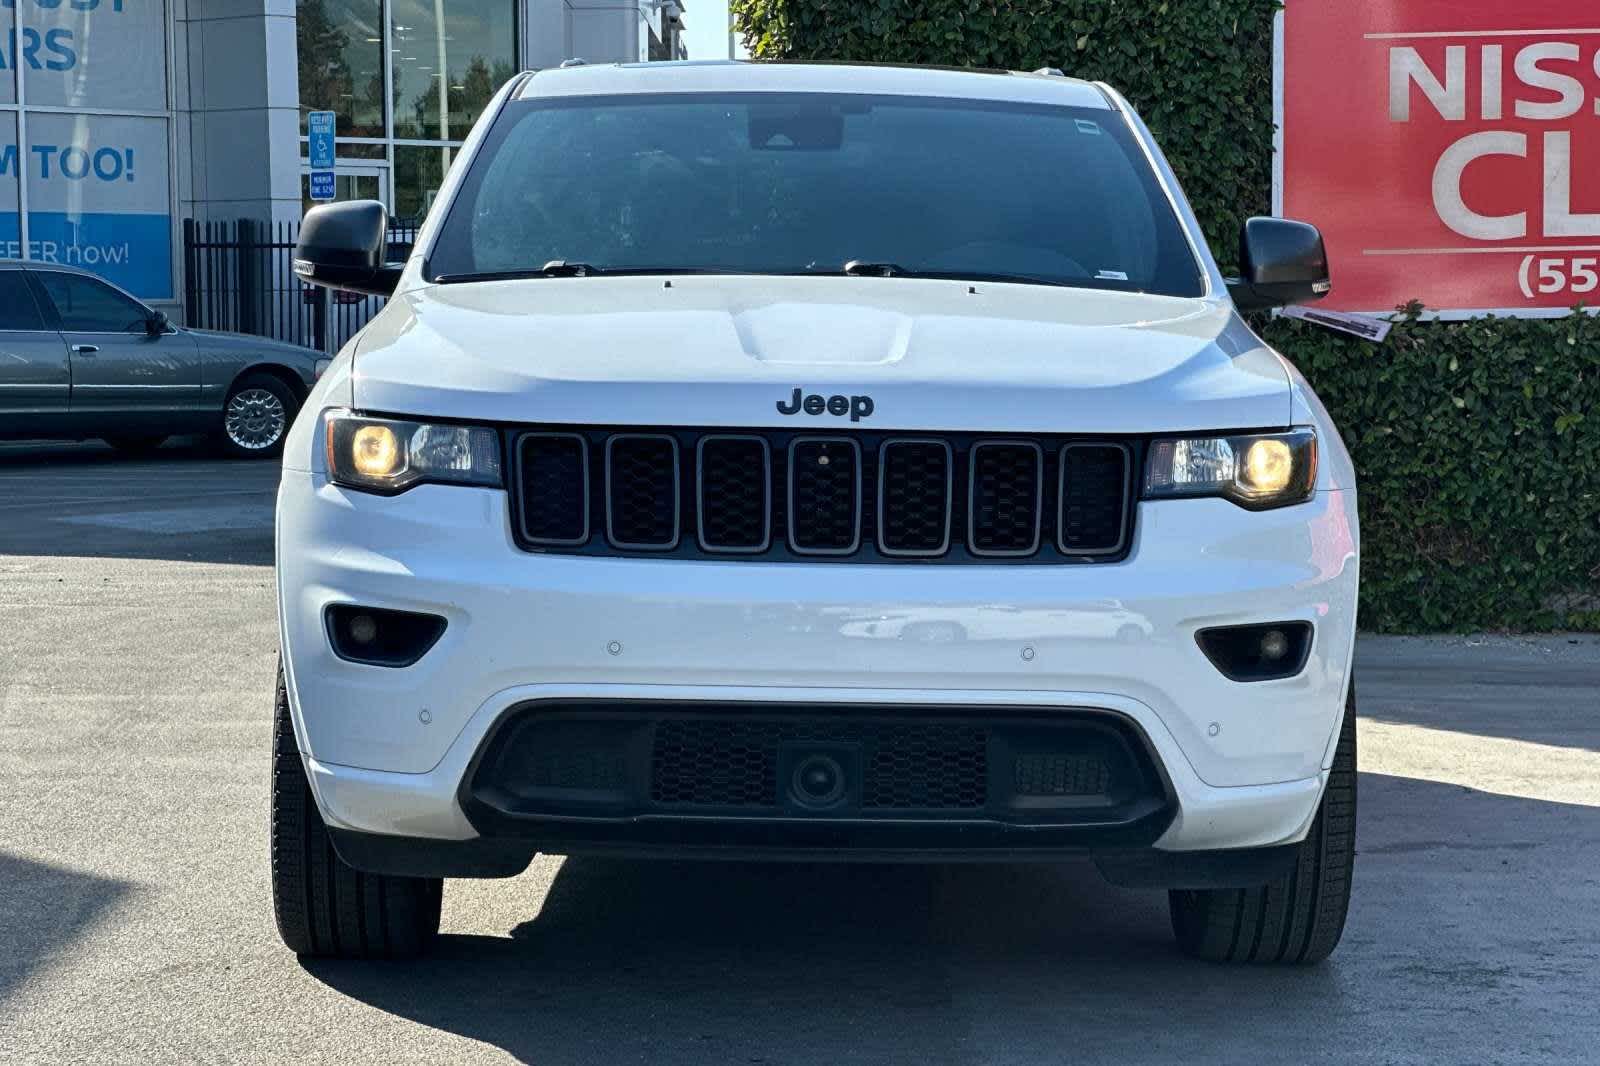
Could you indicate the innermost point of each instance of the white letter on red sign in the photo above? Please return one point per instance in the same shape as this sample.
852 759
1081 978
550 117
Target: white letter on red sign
1449 98
1534 76
1492 60
1559 221
1453 210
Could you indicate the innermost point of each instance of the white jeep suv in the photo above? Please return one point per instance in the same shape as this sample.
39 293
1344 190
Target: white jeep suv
833 462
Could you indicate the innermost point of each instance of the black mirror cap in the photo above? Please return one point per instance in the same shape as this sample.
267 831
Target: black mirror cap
342 246
1284 262
156 324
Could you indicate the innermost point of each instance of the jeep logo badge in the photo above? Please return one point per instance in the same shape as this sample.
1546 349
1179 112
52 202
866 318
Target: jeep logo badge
857 407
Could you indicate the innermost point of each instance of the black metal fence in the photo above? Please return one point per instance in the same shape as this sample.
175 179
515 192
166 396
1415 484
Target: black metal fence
239 276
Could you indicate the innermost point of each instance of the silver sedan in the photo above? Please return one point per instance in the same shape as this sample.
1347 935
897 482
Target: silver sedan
80 358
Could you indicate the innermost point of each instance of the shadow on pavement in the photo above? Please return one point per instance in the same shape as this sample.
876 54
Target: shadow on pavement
90 501
1541 692
43 909
676 962
67 453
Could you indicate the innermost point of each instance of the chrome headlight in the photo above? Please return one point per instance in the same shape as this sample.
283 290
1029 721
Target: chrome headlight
384 455
1258 471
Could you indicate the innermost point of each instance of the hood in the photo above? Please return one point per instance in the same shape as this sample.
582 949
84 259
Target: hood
731 351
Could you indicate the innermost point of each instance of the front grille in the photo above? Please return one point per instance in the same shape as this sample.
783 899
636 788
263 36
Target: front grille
732 762
784 496
749 762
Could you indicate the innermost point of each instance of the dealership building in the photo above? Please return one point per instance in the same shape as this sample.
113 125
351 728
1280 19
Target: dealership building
125 117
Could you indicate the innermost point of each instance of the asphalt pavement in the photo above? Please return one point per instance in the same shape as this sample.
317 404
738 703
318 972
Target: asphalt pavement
137 643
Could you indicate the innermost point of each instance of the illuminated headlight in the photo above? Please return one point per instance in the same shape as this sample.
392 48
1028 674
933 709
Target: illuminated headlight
1257 471
383 455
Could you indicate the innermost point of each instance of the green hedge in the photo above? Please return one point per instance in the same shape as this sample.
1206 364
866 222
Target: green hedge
1478 444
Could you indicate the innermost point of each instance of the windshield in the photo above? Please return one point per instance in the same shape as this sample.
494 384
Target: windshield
791 183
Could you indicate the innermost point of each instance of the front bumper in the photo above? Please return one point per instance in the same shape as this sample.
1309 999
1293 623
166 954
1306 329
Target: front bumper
388 749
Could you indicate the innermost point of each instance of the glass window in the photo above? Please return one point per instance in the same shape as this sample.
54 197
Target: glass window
418 172
94 53
10 220
345 187
804 183
445 72
446 60
99 198
17 309
340 44
8 85
89 306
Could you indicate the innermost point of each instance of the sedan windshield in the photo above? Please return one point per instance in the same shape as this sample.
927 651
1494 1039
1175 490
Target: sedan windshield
812 183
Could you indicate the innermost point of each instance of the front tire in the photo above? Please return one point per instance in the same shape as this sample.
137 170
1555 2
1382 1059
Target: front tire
256 417
1298 918
324 907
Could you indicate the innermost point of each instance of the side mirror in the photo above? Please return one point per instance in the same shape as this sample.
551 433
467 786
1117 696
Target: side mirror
1284 263
156 324
342 246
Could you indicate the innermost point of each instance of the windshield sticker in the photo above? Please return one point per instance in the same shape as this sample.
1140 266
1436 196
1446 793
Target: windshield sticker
1087 126
1111 275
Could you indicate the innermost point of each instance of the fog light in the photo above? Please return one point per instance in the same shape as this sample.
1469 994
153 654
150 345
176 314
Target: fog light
1268 652
363 629
374 636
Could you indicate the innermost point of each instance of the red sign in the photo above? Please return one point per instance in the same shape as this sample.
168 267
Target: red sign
1448 149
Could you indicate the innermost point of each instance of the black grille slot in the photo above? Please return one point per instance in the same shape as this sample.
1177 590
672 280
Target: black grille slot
928 767
586 767
554 472
734 498
714 764
642 491
824 495
1061 774
1007 484
733 763
915 479
1094 483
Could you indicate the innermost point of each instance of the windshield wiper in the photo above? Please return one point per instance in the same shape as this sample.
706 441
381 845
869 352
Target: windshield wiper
858 268
561 268
556 268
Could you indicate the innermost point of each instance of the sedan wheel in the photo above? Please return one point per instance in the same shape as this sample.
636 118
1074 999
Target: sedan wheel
257 417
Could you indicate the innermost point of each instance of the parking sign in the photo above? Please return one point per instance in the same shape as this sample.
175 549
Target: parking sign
322 185
319 132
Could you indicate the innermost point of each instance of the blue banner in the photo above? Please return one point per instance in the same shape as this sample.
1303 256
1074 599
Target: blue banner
133 251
